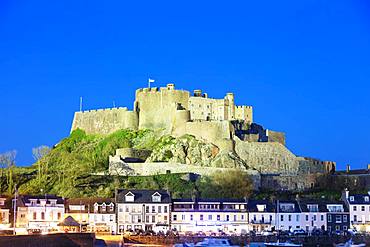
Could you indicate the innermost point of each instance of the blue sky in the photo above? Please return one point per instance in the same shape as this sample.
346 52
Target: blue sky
303 65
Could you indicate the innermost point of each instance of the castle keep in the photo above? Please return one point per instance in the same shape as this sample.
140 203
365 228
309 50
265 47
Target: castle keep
226 137
175 111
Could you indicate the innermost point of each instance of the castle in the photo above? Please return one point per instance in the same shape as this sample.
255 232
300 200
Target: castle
218 121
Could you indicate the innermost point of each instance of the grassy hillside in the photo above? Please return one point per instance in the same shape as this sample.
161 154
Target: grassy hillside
68 169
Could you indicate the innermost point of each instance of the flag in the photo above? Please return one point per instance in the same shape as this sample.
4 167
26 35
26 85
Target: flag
150 80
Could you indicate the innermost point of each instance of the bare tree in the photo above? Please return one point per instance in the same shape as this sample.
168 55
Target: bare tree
7 161
38 154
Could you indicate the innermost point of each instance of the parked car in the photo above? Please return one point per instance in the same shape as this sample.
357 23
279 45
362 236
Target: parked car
299 232
352 231
267 233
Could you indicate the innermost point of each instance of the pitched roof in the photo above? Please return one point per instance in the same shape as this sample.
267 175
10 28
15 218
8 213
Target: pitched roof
27 199
252 206
359 199
89 204
142 196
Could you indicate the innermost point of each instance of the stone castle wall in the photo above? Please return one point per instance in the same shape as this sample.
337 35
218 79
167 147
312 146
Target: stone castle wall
267 157
149 169
157 108
105 121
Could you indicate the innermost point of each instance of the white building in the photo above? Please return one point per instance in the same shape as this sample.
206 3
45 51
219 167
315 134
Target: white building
94 214
40 212
314 215
5 209
262 215
288 216
143 210
229 216
359 208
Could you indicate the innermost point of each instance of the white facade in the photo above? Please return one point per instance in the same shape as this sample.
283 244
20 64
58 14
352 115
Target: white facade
41 213
359 208
4 214
152 214
288 217
228 217
313 219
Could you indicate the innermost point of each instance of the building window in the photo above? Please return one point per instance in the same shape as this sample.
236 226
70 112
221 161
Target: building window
59 215
153 218
355 218
306 217
270 218
314 218
153 209
183 217
234 217
281 217
329 218
103 207
344 218
159 209
227 217
289 217
111 217
147 209
337 228
165 218
147 219
201 217
210 217
297 217
191 217
362 208
34 215
345 228
218 217
338 219
354 208
322 217
175 217
111 207
165 209
42 215
242 216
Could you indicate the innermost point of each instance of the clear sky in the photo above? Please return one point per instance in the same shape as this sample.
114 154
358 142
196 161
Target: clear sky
303 65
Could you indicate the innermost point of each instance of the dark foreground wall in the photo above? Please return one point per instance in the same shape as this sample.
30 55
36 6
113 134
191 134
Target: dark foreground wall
52 240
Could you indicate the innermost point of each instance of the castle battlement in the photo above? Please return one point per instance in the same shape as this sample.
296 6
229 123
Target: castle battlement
163 108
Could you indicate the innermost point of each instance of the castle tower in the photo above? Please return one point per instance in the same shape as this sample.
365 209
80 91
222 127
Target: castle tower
231 106
157 108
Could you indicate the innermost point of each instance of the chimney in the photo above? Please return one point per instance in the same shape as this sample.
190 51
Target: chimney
346 191
348 168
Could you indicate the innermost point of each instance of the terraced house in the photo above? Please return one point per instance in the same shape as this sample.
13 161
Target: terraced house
359 207
262 215
226 215
143 210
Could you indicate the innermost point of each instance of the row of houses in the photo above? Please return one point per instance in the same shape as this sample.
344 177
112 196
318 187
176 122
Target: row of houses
155 210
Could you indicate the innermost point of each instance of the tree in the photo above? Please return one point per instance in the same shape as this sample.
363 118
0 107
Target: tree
38 154
7 160
233 184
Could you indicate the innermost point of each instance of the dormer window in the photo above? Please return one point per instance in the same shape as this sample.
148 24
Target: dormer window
261 208
33 202
96 207
111 206
53 203
43 202
103 207
129 197
156 197
352 198
366 199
